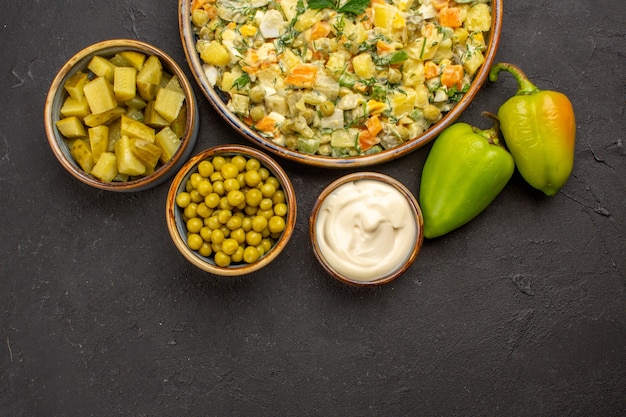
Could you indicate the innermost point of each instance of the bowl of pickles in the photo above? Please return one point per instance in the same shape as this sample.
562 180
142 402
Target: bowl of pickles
120 115
340 83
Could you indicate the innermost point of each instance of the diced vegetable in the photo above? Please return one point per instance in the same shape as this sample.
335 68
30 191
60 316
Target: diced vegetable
96 119
134 129
106 167
127 162
125 83
81 153
169 143
74 85
100 96
168 103
75 107
147 152
101 67
98 141
71 127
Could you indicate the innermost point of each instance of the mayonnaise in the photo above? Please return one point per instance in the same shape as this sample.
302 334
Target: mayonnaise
366 229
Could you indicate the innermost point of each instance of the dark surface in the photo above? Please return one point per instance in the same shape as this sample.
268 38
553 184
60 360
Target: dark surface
520 313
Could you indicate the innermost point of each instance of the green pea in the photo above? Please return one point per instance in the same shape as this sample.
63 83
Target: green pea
253 164
256 94
268 189
217 236
276 224
235 198
257 113
191 210
204 187
205 168
253 178
212 200
250 254
229 170
259 223
254 197
203 210
194 241
266 204
229 246
183 199
327 108
205 250
221 259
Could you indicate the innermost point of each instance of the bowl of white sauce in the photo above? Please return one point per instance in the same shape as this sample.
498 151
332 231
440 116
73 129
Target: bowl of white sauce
366 229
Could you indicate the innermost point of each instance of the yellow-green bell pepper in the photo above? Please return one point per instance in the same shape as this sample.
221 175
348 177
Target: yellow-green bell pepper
539 129
465 170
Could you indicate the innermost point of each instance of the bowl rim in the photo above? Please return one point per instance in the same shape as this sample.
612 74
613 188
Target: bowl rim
56 94
190 167
193 59
389 180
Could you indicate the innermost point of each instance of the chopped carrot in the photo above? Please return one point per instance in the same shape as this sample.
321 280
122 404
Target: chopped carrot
383 47
373 125
367 140
197 4
266 124
302 76
431 70
207 5
450 17
452 75
320 30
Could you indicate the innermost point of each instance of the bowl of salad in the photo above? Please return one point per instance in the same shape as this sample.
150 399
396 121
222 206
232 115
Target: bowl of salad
340 83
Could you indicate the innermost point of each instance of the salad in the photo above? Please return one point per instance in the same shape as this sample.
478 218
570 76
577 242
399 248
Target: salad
341 77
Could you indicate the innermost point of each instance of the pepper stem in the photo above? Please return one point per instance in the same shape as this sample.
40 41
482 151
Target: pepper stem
525 87
493 134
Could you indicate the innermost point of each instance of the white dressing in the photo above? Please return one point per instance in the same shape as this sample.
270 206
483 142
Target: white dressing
366 229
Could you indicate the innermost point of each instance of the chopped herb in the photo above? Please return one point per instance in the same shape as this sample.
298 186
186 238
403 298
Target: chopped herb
423 48
242 81
455 95
398 57
356 7
322 4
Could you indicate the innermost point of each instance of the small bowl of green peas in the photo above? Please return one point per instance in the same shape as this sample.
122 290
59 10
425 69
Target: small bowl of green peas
231 210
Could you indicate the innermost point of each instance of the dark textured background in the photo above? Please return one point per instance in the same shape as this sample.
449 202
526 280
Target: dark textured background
520 313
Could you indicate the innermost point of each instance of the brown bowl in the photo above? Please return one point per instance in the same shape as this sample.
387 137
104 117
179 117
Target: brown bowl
176 220
218 101
366 229
57 95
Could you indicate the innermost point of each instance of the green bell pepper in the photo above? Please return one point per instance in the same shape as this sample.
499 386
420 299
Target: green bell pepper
465 170
539 129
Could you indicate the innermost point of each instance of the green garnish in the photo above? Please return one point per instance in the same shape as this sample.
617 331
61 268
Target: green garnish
356 7
242 81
